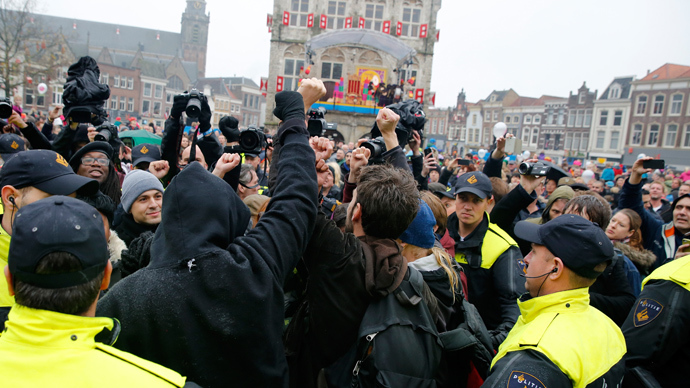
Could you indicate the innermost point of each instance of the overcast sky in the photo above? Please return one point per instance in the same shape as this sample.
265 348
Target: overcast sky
535 47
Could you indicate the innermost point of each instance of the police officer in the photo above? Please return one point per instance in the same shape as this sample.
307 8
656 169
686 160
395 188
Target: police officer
25 178
657 330
559 339
58 264
487 254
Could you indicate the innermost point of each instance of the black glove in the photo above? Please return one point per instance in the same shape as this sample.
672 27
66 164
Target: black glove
205 116
179 105
289 105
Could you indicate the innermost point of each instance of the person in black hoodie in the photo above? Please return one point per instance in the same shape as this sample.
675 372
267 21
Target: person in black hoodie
210 303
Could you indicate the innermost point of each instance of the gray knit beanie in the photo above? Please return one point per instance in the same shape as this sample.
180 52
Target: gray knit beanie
136 183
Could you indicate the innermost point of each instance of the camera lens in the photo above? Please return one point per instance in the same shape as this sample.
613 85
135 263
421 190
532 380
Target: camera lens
193 108
249 140
5 110
525 168
103 135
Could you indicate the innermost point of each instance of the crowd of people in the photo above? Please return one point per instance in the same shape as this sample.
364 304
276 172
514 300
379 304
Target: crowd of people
312 263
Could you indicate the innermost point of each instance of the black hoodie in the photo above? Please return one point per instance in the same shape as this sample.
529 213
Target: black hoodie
210 303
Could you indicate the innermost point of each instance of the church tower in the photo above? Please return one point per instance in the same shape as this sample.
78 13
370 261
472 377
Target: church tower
194 33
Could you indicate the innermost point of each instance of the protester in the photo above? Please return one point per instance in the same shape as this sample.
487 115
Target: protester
210 303
144 154
559 339
142 201
52 328
249 181
662 239
626 236
658 202
94 161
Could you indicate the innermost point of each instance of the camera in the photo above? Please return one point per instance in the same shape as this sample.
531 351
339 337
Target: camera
317 125
105 132
252 141
377 147
535 169
194 99
5 108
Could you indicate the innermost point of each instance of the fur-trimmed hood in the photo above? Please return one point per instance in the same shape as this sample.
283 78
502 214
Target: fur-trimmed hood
642 258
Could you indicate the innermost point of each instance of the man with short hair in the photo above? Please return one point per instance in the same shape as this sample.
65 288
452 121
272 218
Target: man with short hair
26 178
249 181
683 189
658 203
559 339
143 155
488 255
58 264
663 239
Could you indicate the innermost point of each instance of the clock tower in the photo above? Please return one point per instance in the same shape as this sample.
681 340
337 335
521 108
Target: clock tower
194 33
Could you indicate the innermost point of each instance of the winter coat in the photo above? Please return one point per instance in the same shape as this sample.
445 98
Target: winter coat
210 303
643 259
128 229
611 293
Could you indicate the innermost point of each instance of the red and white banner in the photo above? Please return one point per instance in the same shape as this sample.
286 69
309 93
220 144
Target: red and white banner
348 22
438 33
419 95
433 99
423 30
269 19
323 21
264 84
310 20
286 18
361 23
386 28
279 84
398 29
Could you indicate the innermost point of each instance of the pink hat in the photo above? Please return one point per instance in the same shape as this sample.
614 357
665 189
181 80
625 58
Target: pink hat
577 163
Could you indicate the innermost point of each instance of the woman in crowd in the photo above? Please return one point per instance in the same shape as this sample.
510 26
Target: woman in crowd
624 233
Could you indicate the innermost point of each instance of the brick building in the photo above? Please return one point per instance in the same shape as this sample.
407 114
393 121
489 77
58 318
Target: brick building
660 116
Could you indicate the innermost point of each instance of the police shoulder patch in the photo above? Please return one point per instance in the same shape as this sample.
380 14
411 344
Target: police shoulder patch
520 379
646 311
522 266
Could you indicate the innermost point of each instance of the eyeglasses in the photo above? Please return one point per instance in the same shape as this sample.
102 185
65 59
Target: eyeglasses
249 187
90 161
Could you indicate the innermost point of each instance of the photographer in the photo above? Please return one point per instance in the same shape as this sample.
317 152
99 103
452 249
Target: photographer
36 139
210 303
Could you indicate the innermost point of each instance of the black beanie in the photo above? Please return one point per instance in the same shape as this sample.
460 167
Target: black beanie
228 127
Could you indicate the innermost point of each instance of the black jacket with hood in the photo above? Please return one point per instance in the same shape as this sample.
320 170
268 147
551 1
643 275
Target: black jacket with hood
210 303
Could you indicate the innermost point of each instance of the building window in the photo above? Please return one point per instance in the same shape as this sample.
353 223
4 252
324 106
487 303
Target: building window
535 136
603 117
557 142
57 94
290 75
130 83
615 92
474 119
408 74
658 104
571 117
547 141
300 12
433 127
28 96
549 118
159 91
175 83
146 107
147 89
583 96
653 137
130 105
561 117
676 103
374 17
615 135
525 136
336 14
441 127
588 118
585 142
463 134
580 116
410 21
576 141
113 102
671 135
123 104
636 138
601 136
156 108
686 137
617 118
528 119
568 141
487 116
641 105
331 70
169 98
537 119
104 78
116 81
495 115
